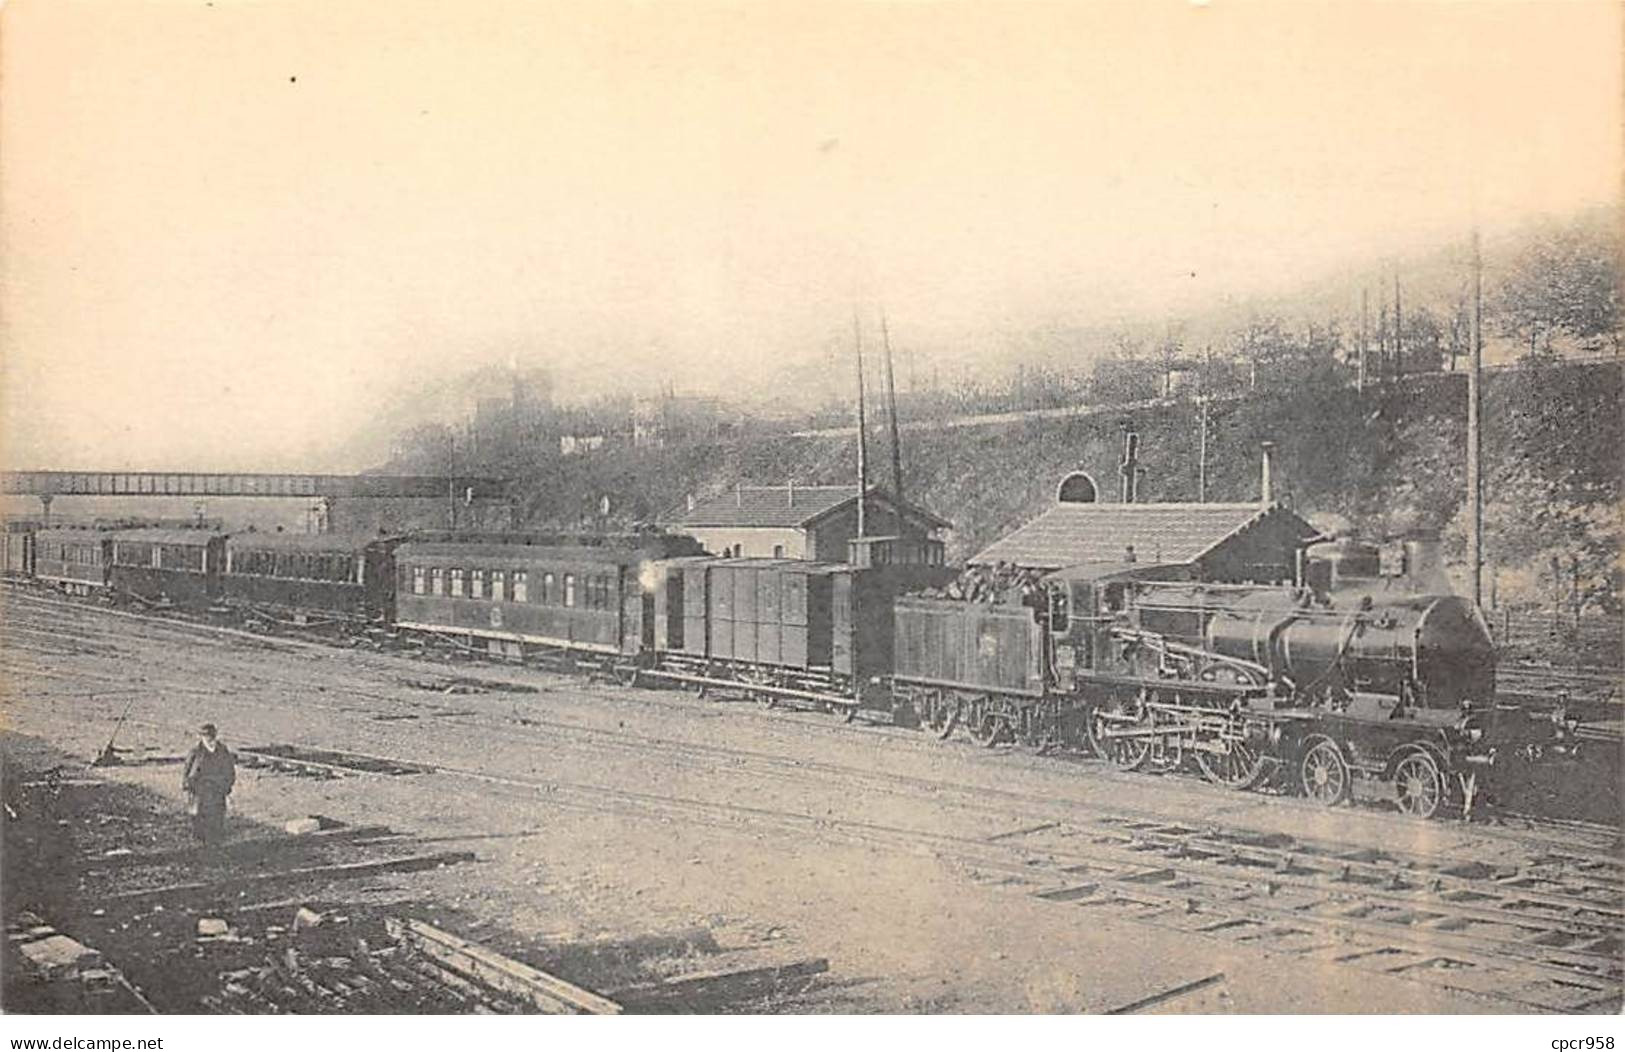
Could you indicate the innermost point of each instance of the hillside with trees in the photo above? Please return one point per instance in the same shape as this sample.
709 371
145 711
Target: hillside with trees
1377 451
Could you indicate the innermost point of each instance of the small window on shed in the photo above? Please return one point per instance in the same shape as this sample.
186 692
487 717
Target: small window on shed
569 589
549 595
520 590
499 585
417 580
1114 597
1058 619
437 579
476 584
778 551
457 582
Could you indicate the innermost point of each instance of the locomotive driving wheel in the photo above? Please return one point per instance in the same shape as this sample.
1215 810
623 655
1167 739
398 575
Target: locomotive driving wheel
1324 773
1130 754
1240 768
941 716
1419 785
988 728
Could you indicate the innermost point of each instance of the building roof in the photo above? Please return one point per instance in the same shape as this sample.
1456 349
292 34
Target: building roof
786 506
1161 534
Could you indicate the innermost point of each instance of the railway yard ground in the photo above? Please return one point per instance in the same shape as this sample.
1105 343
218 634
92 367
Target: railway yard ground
411 832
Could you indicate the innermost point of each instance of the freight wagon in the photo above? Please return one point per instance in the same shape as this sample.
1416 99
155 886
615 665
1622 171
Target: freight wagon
784 629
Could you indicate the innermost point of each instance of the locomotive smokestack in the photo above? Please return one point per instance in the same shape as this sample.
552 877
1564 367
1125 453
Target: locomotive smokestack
1266 487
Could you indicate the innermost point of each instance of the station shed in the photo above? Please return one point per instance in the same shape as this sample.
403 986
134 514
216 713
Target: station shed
1235 543
807 522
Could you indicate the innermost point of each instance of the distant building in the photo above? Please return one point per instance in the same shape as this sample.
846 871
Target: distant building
570 445
671 419
1207 542
808 522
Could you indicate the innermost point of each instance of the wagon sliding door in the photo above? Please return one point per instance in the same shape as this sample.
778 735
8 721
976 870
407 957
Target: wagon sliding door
820 613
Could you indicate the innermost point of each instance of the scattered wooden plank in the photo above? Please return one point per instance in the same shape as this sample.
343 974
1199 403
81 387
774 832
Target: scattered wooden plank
1167 995
207 890
236 848
548 993
707 990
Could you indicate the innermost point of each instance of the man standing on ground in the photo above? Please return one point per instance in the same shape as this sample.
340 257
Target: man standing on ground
210 773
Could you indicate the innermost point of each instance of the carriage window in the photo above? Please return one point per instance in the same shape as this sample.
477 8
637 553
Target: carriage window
1057 610
476 583
457 582
520 588
569 589
417 580
437 581
547 588
498 585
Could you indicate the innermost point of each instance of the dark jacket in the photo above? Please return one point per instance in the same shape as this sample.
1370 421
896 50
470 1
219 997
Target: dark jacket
209 773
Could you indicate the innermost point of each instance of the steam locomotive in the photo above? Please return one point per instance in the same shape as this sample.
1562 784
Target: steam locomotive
1341 675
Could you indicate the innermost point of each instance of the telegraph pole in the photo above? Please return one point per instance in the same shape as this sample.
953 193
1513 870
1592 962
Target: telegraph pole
1475 493
891 412
1399 328
1365 307
1201 453
863 440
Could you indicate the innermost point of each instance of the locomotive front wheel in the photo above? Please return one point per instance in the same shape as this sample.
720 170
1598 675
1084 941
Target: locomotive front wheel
1419 785
1240 768
1325 774
1130 754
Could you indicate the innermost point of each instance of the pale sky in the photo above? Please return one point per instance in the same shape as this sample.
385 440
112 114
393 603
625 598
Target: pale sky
227 227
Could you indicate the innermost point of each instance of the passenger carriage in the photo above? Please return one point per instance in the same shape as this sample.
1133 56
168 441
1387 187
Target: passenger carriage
19 544
512 595
180 566
74 560
312 577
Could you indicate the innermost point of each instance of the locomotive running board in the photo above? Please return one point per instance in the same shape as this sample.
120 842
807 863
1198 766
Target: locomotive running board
759 688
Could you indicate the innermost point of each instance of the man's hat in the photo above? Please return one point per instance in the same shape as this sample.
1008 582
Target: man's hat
207 728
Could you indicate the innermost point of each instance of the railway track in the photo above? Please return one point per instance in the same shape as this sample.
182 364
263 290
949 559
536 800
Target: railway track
533 727
1540 935
1486 933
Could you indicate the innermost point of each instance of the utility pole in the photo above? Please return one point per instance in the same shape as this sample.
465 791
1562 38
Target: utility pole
1399 328
1365 307
1201 452
891 412
1475 482
863 439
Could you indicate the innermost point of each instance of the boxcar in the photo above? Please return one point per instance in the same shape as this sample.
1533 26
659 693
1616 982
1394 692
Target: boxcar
74 560
349 577
784 628
179 566
517 594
